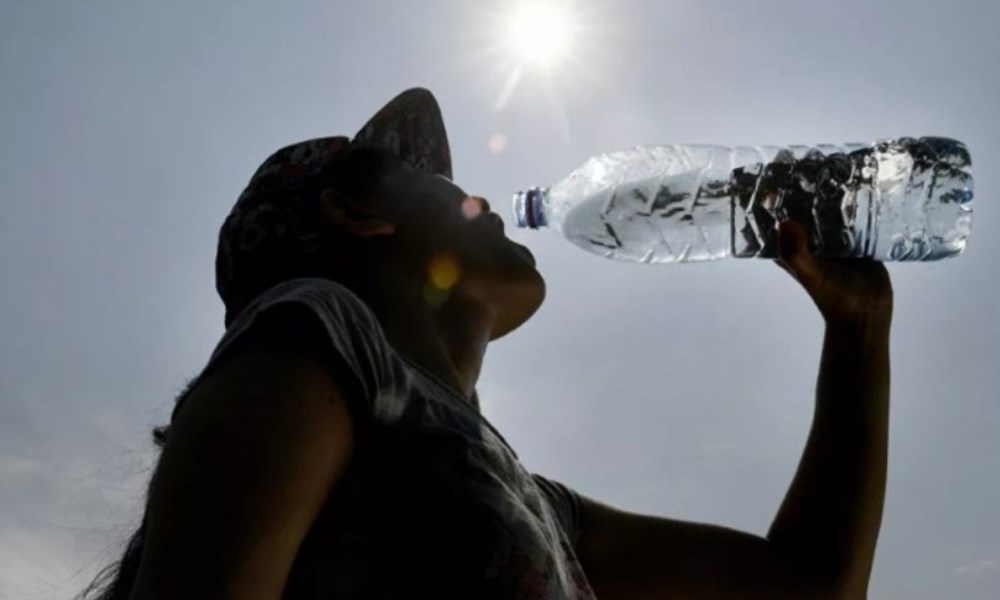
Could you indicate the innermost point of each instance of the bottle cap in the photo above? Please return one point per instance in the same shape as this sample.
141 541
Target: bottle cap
527 207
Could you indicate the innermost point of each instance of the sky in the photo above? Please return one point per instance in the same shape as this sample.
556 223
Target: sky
129 129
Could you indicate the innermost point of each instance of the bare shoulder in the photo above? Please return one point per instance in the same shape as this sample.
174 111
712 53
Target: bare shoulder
281 364
248 465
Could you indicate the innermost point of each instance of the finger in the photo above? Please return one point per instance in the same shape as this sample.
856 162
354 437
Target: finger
793 251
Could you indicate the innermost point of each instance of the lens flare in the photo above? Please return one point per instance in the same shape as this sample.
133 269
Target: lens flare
498 143
443 271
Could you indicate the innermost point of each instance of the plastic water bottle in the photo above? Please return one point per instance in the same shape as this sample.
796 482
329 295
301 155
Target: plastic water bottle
902 200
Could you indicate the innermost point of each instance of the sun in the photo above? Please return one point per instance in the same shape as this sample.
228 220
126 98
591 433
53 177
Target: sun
542 50
540 32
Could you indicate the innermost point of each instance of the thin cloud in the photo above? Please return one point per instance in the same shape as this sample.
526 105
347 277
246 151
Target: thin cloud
986 565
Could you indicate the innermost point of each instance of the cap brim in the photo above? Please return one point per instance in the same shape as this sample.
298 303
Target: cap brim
411 127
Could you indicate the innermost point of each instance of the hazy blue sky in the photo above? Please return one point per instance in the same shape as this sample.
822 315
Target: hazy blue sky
129 128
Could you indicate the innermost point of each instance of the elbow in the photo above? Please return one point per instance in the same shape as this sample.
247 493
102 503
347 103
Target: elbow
826 579
848 588
832 586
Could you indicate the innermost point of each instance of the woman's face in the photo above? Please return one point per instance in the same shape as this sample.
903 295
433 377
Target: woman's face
462 243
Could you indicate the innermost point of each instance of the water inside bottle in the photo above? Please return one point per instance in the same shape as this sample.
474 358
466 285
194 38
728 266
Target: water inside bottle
654 220
897 200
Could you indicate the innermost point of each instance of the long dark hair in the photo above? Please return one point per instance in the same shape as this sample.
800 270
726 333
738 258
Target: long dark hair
357 175
114 582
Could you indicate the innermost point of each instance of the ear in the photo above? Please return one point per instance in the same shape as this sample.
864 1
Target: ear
351 216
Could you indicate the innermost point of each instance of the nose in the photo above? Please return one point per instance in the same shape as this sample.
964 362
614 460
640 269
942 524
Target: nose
483 204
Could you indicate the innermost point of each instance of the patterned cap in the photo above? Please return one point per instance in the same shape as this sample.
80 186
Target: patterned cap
268 222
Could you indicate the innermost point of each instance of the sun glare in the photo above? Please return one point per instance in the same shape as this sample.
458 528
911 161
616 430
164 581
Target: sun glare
540 31
543 51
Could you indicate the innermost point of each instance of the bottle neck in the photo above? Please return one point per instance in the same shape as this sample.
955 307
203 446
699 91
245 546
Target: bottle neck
529 208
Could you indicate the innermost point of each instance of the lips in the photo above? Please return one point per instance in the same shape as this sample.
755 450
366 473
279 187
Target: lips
496 220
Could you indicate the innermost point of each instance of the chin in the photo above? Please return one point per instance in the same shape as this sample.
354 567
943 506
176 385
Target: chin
517 300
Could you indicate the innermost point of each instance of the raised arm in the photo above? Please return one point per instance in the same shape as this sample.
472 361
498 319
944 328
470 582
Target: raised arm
822 541
831 515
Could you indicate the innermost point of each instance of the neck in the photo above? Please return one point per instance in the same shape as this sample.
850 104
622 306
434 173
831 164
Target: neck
449 341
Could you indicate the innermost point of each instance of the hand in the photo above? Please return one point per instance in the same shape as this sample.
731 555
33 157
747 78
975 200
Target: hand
846 290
